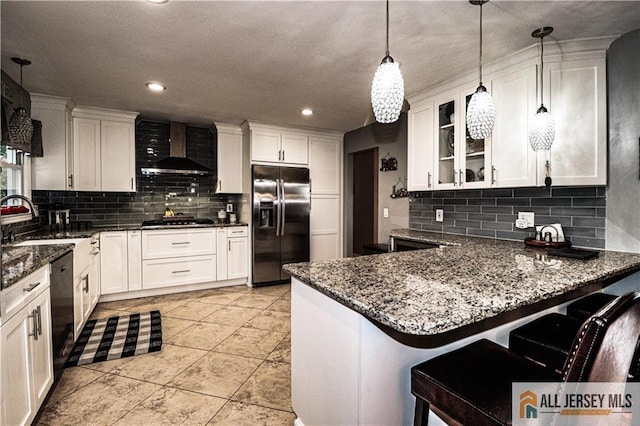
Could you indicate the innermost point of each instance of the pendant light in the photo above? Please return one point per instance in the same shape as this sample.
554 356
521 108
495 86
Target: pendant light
481 112
542 130
20 125
387 89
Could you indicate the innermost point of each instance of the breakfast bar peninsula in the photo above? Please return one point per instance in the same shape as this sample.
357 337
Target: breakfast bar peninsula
359 324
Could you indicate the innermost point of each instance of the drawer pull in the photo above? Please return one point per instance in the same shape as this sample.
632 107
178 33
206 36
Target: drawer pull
237 232
31 287
181 272
181 243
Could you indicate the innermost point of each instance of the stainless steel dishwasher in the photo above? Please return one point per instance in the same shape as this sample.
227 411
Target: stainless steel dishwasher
401 244
61 311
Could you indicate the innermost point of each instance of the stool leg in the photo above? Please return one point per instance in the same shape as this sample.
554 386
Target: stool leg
421 417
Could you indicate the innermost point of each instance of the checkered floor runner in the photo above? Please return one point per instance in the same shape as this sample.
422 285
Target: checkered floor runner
117 337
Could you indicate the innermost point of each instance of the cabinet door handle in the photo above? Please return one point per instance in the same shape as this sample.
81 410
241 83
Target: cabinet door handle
35 325
279 155
229 244
71 181
429 180
31 287
460 178
132 184
493 174
220 185
283 155
184 271
39 320
181 243
85 286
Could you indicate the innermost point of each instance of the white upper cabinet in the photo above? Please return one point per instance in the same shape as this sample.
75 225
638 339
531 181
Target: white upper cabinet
461 162
229 166
513 161
576 97
103 150
325 164
52 171
420 162
441 155
270 144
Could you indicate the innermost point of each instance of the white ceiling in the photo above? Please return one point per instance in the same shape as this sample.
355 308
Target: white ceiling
264 61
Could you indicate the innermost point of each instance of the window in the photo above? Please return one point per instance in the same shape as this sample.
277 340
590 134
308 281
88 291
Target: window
14 175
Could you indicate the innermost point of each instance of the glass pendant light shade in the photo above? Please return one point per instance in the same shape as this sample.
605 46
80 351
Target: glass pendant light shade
387 91
481 114
542 130
20 124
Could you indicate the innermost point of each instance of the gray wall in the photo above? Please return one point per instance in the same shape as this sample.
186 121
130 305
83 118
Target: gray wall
391 138
623 192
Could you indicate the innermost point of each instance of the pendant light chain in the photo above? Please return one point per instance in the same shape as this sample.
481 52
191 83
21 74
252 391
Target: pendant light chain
542 71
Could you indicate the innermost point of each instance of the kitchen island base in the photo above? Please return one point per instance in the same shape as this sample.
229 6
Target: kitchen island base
347 371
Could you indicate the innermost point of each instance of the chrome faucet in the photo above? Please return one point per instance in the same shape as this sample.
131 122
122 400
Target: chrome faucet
34 208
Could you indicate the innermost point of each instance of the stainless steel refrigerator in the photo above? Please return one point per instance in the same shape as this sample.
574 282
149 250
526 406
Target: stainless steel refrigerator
281 207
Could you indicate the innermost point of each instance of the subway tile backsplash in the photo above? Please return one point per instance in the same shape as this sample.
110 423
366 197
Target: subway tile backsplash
191 195
492 213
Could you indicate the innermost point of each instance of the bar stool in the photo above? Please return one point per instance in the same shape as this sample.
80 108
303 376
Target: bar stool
472 385
548 339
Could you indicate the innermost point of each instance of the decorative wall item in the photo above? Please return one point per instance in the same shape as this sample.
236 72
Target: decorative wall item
388 163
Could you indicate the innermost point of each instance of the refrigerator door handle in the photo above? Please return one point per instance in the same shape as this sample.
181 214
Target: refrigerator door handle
279 207
284 205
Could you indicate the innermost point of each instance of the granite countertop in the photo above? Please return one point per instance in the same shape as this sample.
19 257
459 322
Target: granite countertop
467 280
18 262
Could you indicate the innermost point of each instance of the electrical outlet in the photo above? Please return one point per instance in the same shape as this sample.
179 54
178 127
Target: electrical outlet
439 215
229 207
529 217
385 212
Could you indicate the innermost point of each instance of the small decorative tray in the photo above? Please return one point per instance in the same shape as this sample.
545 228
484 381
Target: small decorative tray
532 242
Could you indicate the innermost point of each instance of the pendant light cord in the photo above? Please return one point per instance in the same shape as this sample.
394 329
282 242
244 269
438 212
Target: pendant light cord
21 85
387 27
541 71
480 67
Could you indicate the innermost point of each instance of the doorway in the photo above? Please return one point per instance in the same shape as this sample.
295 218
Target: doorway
365 199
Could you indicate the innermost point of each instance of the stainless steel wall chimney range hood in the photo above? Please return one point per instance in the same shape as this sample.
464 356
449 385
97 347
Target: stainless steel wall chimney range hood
177 163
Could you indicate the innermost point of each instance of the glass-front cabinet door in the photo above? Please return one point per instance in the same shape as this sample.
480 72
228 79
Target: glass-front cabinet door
461 161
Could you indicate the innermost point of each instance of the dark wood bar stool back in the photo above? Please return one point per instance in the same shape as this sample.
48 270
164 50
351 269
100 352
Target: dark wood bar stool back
472 385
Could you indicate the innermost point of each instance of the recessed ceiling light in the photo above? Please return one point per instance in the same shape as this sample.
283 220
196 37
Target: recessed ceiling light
307 111
157 1
156 87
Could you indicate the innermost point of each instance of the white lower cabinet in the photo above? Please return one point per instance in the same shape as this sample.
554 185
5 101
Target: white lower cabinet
325 238
82 277
26 359
134 256
114 262
237 252
177 257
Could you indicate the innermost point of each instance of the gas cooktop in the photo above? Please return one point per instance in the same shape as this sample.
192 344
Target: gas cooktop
176 221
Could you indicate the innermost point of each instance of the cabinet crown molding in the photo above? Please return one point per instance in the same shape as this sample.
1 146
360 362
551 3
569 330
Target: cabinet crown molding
39 100
227 128
253 125
103 113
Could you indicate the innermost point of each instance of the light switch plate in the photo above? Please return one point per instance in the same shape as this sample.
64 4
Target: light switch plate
529 217
229 207
439 215
385 212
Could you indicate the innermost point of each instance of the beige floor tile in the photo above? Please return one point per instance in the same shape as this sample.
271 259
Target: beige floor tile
272 290
216 374
281 305
232 315
242 288
253 300
271 320
101 313
269 386
282 352
158 304
220 297
73 379
202 335
171 326
101 402
192 310
169 406
251 342
124 305
160 367
236 413
187 295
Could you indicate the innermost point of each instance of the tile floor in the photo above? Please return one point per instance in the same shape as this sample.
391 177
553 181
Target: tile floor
225 360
